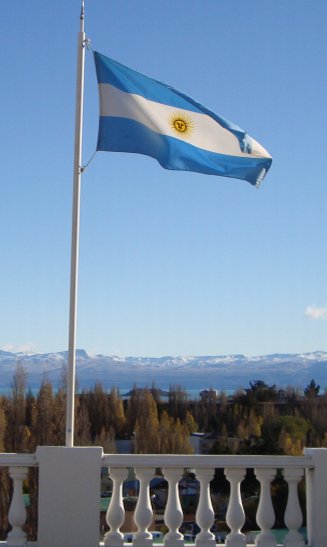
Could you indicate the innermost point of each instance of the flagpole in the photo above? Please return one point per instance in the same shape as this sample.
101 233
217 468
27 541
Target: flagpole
77 174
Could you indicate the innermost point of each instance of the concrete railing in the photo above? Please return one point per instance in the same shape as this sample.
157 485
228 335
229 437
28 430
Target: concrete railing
18 465
265 469
69 491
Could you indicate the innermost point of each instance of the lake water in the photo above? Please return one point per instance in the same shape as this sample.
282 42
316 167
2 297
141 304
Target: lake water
192 394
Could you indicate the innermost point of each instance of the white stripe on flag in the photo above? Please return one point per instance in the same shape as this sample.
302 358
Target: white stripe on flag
203 131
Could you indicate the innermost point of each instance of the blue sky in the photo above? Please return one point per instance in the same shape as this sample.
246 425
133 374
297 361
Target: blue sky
170 262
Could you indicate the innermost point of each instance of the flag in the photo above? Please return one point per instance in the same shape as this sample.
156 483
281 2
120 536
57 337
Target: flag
144 116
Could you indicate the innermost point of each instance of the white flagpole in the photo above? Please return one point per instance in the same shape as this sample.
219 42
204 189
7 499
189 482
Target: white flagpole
75 233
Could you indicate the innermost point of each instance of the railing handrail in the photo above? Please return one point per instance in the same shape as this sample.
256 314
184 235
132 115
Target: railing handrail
69 464
203 461
14 459
176 460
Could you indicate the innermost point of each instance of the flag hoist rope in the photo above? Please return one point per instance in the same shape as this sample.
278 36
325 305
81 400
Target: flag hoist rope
75 232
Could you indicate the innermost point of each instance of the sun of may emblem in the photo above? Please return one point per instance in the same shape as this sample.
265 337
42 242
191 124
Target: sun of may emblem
181 124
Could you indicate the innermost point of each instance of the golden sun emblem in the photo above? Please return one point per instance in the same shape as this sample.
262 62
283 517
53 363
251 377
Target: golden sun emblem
181 124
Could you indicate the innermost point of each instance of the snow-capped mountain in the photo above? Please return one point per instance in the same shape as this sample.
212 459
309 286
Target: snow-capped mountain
192 372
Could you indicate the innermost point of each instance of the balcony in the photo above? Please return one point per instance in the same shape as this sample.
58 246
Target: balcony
69 493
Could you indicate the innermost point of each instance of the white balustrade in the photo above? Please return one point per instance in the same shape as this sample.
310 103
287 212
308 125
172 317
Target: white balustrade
17 511
235 516
143 515
173 467
265 513
173 514
116 513
293 514
205 516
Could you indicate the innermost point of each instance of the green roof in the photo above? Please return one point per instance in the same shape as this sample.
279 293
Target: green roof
104 503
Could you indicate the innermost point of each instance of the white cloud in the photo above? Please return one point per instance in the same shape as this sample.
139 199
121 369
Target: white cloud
28 347
8 347
313 312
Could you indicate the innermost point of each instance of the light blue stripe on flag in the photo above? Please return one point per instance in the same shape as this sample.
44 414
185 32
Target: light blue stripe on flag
140 115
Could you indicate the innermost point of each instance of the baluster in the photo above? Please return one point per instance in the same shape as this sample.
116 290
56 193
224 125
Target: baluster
265 513
235 517
293 513
205 516
116 512
173 516
17 511
143 515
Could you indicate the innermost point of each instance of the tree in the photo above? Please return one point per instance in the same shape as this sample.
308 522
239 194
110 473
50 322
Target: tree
116 418
3 425
59 416
98 410
15 411
293 432
179 439
44 426
177 401
4 502
242 431
107 441
173 436
261 392
82 432
208 407
254 424
131 410
146 425
164 432
190 423
312 390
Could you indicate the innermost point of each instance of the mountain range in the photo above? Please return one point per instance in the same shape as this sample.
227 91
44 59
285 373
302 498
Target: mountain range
228 372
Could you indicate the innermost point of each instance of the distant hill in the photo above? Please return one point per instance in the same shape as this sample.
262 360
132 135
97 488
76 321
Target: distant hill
226 372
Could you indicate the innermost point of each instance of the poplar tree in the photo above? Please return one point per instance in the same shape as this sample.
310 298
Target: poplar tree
2 426
15 411
146 438
44 426
116 419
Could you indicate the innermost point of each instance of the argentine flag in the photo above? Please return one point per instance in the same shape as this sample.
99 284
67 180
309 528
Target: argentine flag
144 116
